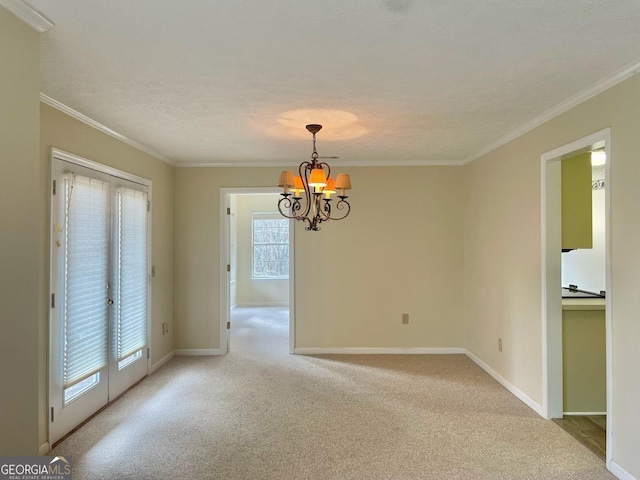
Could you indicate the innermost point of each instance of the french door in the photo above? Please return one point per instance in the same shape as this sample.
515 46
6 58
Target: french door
99 288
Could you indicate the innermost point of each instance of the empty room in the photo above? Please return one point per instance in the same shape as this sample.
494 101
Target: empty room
325 240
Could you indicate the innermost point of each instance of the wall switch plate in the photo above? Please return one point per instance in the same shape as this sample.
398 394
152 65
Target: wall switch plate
499 344
165 328
405 318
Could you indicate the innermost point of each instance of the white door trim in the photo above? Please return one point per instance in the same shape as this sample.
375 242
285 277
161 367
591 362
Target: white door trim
551 267
114 172
224 261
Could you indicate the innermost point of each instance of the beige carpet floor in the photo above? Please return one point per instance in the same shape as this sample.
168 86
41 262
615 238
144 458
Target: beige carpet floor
260 413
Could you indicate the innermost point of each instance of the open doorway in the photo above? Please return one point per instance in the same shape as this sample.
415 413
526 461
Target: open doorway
580 325
257 278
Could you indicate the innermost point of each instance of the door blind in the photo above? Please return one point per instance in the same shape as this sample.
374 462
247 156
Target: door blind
86 277
131 318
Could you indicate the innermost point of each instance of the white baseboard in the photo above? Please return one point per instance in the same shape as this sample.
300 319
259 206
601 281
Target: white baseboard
620 472
427 351
379 351
260 304
162 361
197 352
536 407
568 414
44 449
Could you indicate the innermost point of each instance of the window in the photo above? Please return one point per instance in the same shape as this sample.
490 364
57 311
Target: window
131 285
79 388
270 246
129 360
85 243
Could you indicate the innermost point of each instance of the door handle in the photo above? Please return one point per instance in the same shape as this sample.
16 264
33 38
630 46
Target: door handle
109 302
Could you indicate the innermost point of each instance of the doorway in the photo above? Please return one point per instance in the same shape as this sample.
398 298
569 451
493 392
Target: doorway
100 288
552 287
257 277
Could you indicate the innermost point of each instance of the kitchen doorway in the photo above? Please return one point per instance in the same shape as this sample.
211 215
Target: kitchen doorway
257 277
552 302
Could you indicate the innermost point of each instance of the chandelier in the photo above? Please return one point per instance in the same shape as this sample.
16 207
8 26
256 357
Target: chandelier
307 197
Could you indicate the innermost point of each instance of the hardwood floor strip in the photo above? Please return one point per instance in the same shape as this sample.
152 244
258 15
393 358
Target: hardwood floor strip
590 430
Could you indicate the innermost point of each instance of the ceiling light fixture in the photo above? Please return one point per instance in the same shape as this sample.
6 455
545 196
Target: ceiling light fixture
315 181
598 158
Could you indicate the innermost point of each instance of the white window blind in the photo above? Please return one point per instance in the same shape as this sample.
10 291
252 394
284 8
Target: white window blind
86 276
131 317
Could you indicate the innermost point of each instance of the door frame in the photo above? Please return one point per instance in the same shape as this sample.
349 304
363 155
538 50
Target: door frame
225 307
552 386
57 154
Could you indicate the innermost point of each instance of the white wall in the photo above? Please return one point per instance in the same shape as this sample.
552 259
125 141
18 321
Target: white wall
28 130
197 249
586 267
59 130
250 291
22 301
503 254
502 276
400 251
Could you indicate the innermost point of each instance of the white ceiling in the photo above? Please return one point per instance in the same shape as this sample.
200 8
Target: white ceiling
426 81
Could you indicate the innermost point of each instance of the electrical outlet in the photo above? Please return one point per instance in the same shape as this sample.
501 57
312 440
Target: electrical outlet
405 318
499 344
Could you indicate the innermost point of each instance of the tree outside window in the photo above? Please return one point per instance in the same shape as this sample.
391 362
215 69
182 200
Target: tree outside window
270 246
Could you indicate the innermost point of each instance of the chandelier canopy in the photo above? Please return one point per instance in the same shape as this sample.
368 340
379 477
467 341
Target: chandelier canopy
314 179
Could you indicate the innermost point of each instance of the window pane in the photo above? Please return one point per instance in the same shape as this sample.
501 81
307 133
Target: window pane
131 306
81 387
129 360
86 275
270 230
270 246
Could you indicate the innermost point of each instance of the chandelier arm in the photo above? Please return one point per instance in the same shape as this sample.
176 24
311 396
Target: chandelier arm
342 205
295 209
326 209
303 170
319 210
323 212
285 202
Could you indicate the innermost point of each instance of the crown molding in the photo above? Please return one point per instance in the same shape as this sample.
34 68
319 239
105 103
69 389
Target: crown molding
559 109
98 126
400 163
28 14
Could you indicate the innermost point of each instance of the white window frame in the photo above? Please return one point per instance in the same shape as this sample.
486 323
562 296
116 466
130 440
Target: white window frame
266 216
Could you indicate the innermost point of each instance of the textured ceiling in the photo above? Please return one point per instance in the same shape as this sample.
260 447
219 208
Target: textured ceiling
424 81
